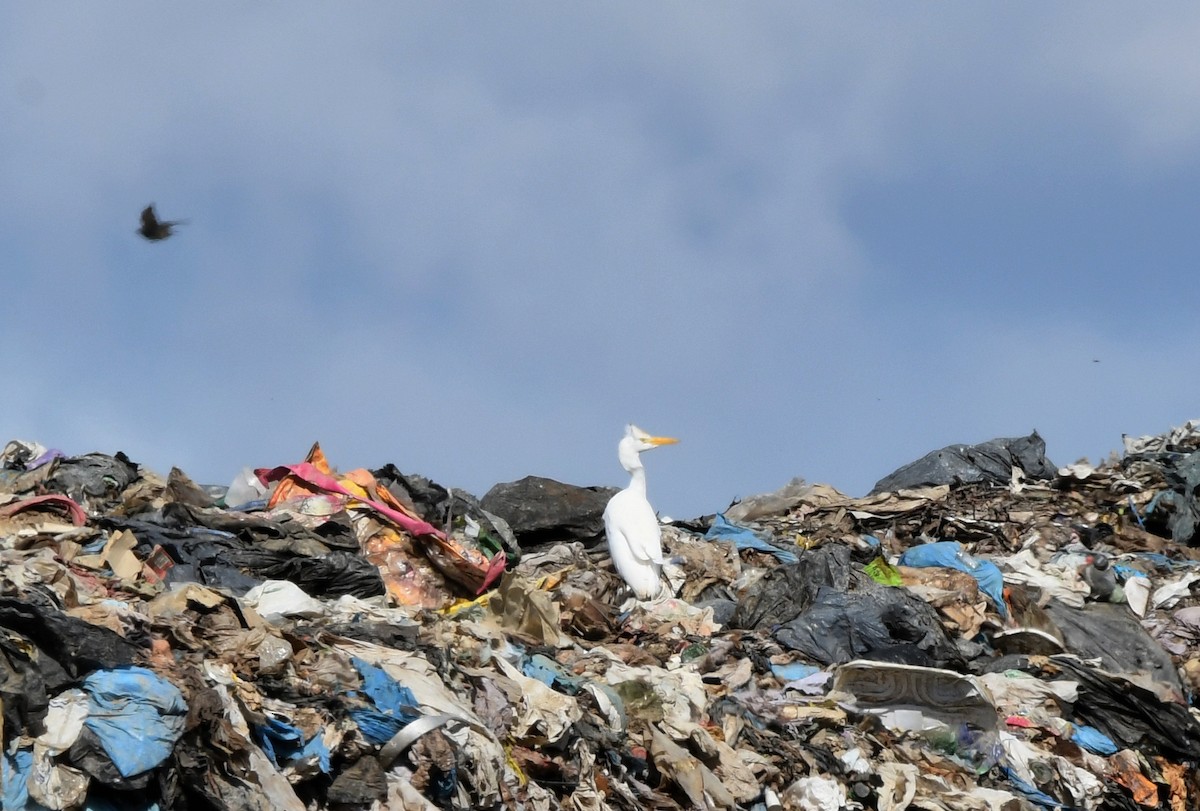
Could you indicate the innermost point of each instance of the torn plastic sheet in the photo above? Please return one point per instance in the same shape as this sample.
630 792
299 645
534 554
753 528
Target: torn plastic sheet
282 598
900 781
1137 594
94 480
465 560
1013 691
814 684
277 793
1178 507
524 606
54 785
64 720
775 503
1029 790
451 508
473 737
284 743
76 645
393 704
883 573
409 577
20 454
787 591
308 473
137 715
745 538
542 713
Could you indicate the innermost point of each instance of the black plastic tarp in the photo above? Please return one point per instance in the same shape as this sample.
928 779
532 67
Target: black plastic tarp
991 461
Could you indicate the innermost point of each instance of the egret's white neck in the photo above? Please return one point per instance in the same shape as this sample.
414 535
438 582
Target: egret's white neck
637 479
631 460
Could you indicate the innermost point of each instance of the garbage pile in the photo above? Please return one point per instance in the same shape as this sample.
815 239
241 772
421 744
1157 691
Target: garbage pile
985 631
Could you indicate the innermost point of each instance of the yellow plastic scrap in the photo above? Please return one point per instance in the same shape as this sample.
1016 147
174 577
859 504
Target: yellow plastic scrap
552 579
883 572
512 764
459 606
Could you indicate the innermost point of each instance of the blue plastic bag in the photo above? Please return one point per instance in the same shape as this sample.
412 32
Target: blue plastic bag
137 715
951 555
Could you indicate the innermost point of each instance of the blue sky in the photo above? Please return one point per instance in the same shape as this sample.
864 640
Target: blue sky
811 240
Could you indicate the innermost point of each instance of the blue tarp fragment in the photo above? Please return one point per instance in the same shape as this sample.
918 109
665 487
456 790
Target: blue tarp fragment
548 672
794 671
95 547
951 555
538 667
137 715
1031 791
16 768
745 538
1126 572
1093 740
395 705
284 743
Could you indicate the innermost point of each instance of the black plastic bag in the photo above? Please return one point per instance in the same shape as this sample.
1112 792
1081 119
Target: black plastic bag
787 591
876 623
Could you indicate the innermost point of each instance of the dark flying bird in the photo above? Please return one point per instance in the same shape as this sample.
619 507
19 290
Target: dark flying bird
152 228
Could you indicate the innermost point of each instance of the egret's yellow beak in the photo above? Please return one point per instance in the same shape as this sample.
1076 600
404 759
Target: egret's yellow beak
662 440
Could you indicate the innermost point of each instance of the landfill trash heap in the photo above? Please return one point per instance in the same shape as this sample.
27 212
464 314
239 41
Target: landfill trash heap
985 631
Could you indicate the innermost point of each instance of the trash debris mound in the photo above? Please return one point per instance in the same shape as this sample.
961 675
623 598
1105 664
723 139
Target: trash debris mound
985 631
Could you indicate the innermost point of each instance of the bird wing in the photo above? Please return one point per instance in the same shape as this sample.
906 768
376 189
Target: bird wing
149 221
630 516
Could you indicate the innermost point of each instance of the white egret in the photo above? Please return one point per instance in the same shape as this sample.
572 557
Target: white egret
634 537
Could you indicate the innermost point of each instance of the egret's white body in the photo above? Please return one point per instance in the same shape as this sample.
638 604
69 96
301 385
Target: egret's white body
634 537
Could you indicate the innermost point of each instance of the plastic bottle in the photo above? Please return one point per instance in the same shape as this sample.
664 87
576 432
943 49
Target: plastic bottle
967 559
1100 577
